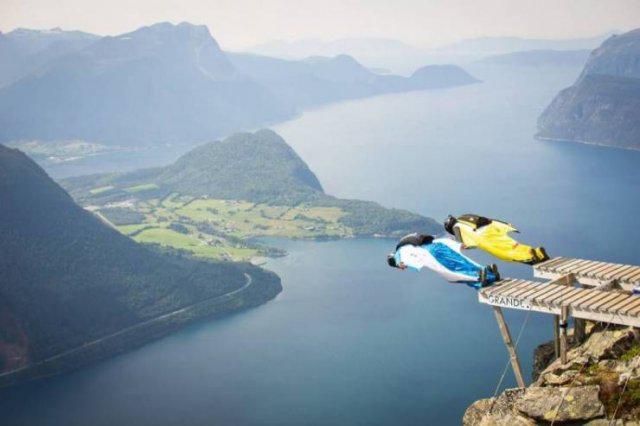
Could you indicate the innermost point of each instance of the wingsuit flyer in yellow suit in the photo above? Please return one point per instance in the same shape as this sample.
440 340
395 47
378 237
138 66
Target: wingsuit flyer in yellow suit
492 236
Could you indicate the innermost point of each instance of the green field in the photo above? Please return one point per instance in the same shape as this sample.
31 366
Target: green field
140 188
101 190
218 229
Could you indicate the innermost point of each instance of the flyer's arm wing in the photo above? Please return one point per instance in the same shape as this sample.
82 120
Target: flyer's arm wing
468 237
503 227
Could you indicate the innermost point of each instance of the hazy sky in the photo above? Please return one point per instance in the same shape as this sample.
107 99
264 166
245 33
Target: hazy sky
240 23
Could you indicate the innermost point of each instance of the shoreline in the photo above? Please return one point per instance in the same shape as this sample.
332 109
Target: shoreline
147 331
549 139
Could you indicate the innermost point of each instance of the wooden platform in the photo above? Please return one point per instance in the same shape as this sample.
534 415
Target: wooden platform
616 307
589 272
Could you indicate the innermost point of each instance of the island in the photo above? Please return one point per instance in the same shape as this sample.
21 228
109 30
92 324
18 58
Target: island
214 201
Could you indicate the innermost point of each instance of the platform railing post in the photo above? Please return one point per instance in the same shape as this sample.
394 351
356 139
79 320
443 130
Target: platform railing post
579 328
556 336
506 336
563 334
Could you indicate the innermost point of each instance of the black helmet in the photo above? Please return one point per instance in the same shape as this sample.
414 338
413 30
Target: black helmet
449 222
391 260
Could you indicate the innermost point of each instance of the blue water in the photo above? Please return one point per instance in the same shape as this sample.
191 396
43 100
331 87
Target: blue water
350 341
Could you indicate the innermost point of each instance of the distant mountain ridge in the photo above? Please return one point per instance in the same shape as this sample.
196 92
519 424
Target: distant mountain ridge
405 58
318 80
159 84
603 105
502 45
539 58
23 51
68 279
171 84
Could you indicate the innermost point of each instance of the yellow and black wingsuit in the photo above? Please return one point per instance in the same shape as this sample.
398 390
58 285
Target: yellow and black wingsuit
493 237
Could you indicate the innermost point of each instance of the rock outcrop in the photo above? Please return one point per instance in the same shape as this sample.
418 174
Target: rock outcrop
599 384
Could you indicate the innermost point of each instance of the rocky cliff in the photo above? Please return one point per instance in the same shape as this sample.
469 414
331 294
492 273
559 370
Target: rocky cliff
603 106
599 385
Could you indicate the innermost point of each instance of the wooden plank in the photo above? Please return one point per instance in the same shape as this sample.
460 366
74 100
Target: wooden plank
552 296
554 263
587 303
633 271
609 275
588 295
495 288
544 264
632 321
524 290
613 302
626 302
602 266
583 303
634 277
580 266
506 288
594 306
513 356
590 268
630 306
634 311
551 263
514 288
547 290
596 265
558 297
581 292
600 273
560 268
568 267
594 272
620 272
590 264
573 291
535 288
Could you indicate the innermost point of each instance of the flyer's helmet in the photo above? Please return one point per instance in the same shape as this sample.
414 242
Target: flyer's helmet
449 222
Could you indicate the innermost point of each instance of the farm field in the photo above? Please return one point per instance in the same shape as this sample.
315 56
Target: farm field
219 229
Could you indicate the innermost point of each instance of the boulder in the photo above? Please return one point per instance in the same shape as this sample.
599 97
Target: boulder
476 411
606 344
607 422
506 419
561 379
496 411
545 403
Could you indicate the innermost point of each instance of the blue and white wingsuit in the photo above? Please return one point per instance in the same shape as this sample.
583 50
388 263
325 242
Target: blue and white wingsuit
443 256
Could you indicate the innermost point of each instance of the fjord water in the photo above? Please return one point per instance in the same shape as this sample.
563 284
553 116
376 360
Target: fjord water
350 341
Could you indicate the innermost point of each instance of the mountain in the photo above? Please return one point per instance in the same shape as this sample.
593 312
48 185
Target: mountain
603 105
500 45
257 167
361 48
69 282
165 85
23 51
318 80
539 58
159 84
404 58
